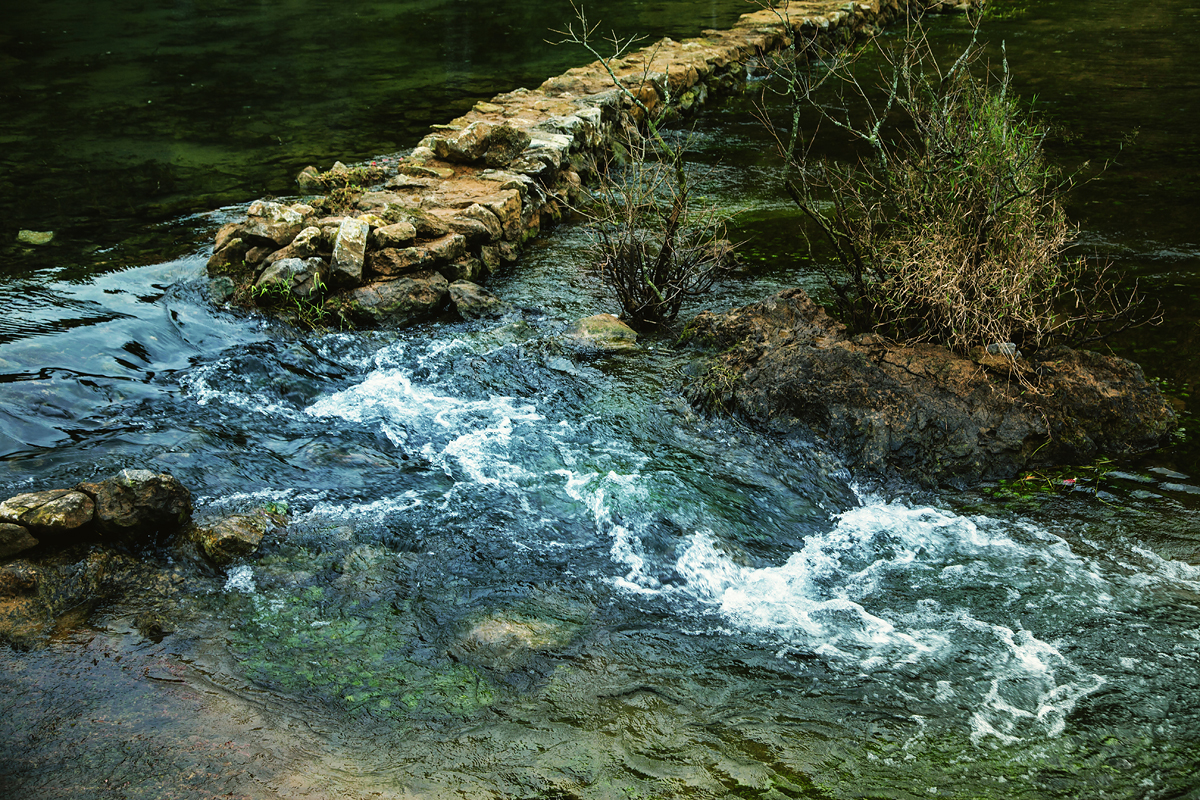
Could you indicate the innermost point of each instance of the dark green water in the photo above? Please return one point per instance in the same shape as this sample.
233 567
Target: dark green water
515 571
113 115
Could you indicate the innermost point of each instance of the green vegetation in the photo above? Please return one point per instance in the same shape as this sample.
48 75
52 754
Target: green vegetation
348 654
948 228
308 311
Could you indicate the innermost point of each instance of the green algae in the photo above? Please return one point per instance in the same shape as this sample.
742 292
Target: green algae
354 656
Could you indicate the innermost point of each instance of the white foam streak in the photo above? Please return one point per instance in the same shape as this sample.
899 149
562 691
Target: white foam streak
823 599
389 398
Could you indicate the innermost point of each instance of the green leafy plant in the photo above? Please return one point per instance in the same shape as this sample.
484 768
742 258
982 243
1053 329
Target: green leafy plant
308 311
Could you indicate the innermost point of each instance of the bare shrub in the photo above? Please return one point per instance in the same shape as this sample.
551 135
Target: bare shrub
653 244
653 248
950 229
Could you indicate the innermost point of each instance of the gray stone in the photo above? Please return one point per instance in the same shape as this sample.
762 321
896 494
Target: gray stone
401 300
465 269
349 252
392 262
398 234
274 221
445 249
302 277
486 219
493 144
506 205
305 245
473 301
14 539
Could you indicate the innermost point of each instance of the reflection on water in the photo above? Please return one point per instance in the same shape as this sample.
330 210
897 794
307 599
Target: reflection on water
511 570
111 114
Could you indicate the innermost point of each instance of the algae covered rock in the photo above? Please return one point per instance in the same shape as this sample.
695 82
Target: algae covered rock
473 301
14 538
138 501
401 300
603 332
50 513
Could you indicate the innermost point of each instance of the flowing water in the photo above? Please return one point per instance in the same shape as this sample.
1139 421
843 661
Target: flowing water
513 569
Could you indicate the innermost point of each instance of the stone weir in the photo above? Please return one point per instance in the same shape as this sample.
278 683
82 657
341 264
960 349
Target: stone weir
381 244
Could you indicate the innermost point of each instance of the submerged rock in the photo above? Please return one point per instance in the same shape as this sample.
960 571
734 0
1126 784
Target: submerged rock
473 301
35 237
603 332
920 411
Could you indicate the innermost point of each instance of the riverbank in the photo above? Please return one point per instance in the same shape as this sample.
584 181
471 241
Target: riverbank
384 242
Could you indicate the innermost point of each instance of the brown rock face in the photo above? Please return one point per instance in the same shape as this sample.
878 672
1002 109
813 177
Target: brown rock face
139 501
49 513
921 411
14 539
231 538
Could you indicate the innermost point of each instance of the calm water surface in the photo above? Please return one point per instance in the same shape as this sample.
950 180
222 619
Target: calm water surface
515 571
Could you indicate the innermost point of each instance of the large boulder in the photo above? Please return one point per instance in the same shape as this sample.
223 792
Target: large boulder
139 502
401 300
921 411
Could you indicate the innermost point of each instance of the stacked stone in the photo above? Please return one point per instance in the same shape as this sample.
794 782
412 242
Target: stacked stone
473 192
134 501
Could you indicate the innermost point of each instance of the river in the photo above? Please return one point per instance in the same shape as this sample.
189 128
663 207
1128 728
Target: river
512 570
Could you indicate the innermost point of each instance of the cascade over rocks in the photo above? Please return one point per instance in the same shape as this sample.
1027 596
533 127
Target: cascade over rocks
495 177
920 411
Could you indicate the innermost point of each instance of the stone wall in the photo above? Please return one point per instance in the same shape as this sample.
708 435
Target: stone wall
476 189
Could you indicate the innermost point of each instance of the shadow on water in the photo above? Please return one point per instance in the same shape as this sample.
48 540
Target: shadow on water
514 569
